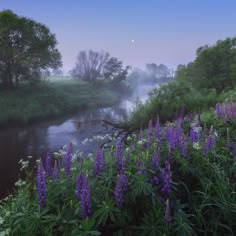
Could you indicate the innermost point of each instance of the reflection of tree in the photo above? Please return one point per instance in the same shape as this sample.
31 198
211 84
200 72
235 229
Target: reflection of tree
12 149
35 139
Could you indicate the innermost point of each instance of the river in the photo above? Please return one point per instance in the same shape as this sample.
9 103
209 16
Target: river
49 135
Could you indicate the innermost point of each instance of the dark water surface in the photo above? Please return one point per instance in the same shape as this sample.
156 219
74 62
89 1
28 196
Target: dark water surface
36 139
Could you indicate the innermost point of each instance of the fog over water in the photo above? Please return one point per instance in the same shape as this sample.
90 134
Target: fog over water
49 135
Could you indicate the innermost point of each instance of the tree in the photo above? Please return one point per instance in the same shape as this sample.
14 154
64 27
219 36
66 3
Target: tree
214 66
27 49
92 66
158 71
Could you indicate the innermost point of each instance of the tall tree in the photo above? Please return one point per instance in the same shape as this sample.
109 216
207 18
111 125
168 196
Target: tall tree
158 71
27 48
92 66
214 66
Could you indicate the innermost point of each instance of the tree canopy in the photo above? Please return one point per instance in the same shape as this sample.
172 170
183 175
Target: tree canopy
214 66
92 66
27 49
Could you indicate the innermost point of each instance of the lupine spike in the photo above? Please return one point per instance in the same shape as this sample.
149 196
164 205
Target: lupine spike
41 185
120 189
99 162
156 160
56 173
86 201
166 179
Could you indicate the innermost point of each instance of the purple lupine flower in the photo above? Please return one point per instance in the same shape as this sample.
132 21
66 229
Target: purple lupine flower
86 201
178 135
150 131
41 185
56 173
166 179
184 145
167 212
49 168
155 180
79 184
68 159
119 156
156 160
193 135
99 162
158 132
219 111
120 189
209 143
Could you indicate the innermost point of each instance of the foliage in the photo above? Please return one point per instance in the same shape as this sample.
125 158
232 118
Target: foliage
214 66
65 96
167 101
27 49
190 194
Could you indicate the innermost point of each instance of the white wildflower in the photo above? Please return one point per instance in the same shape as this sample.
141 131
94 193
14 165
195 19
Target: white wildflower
196 146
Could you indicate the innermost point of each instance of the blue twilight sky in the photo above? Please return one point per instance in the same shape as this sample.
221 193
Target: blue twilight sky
163 31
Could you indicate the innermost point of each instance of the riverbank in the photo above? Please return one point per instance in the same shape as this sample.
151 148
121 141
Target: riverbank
181 176
52 98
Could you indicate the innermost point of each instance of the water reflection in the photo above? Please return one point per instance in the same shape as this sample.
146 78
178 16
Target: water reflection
50 135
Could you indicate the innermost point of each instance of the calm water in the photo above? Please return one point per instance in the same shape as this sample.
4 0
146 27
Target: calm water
50 135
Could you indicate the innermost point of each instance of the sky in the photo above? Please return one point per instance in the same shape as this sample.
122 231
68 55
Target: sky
135 31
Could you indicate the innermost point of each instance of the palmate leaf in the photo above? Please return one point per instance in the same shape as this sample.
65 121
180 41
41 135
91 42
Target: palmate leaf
106 210
153 223
182 224
141 186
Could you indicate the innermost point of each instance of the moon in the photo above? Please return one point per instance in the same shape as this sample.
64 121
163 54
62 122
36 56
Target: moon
132 41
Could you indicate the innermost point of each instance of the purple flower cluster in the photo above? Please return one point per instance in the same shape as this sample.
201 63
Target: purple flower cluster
226 111
99 162
41 185
68 159
56 173
155 180
166 179
194 134
121 188
156 160
209 142
79 184
85 197
174 136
